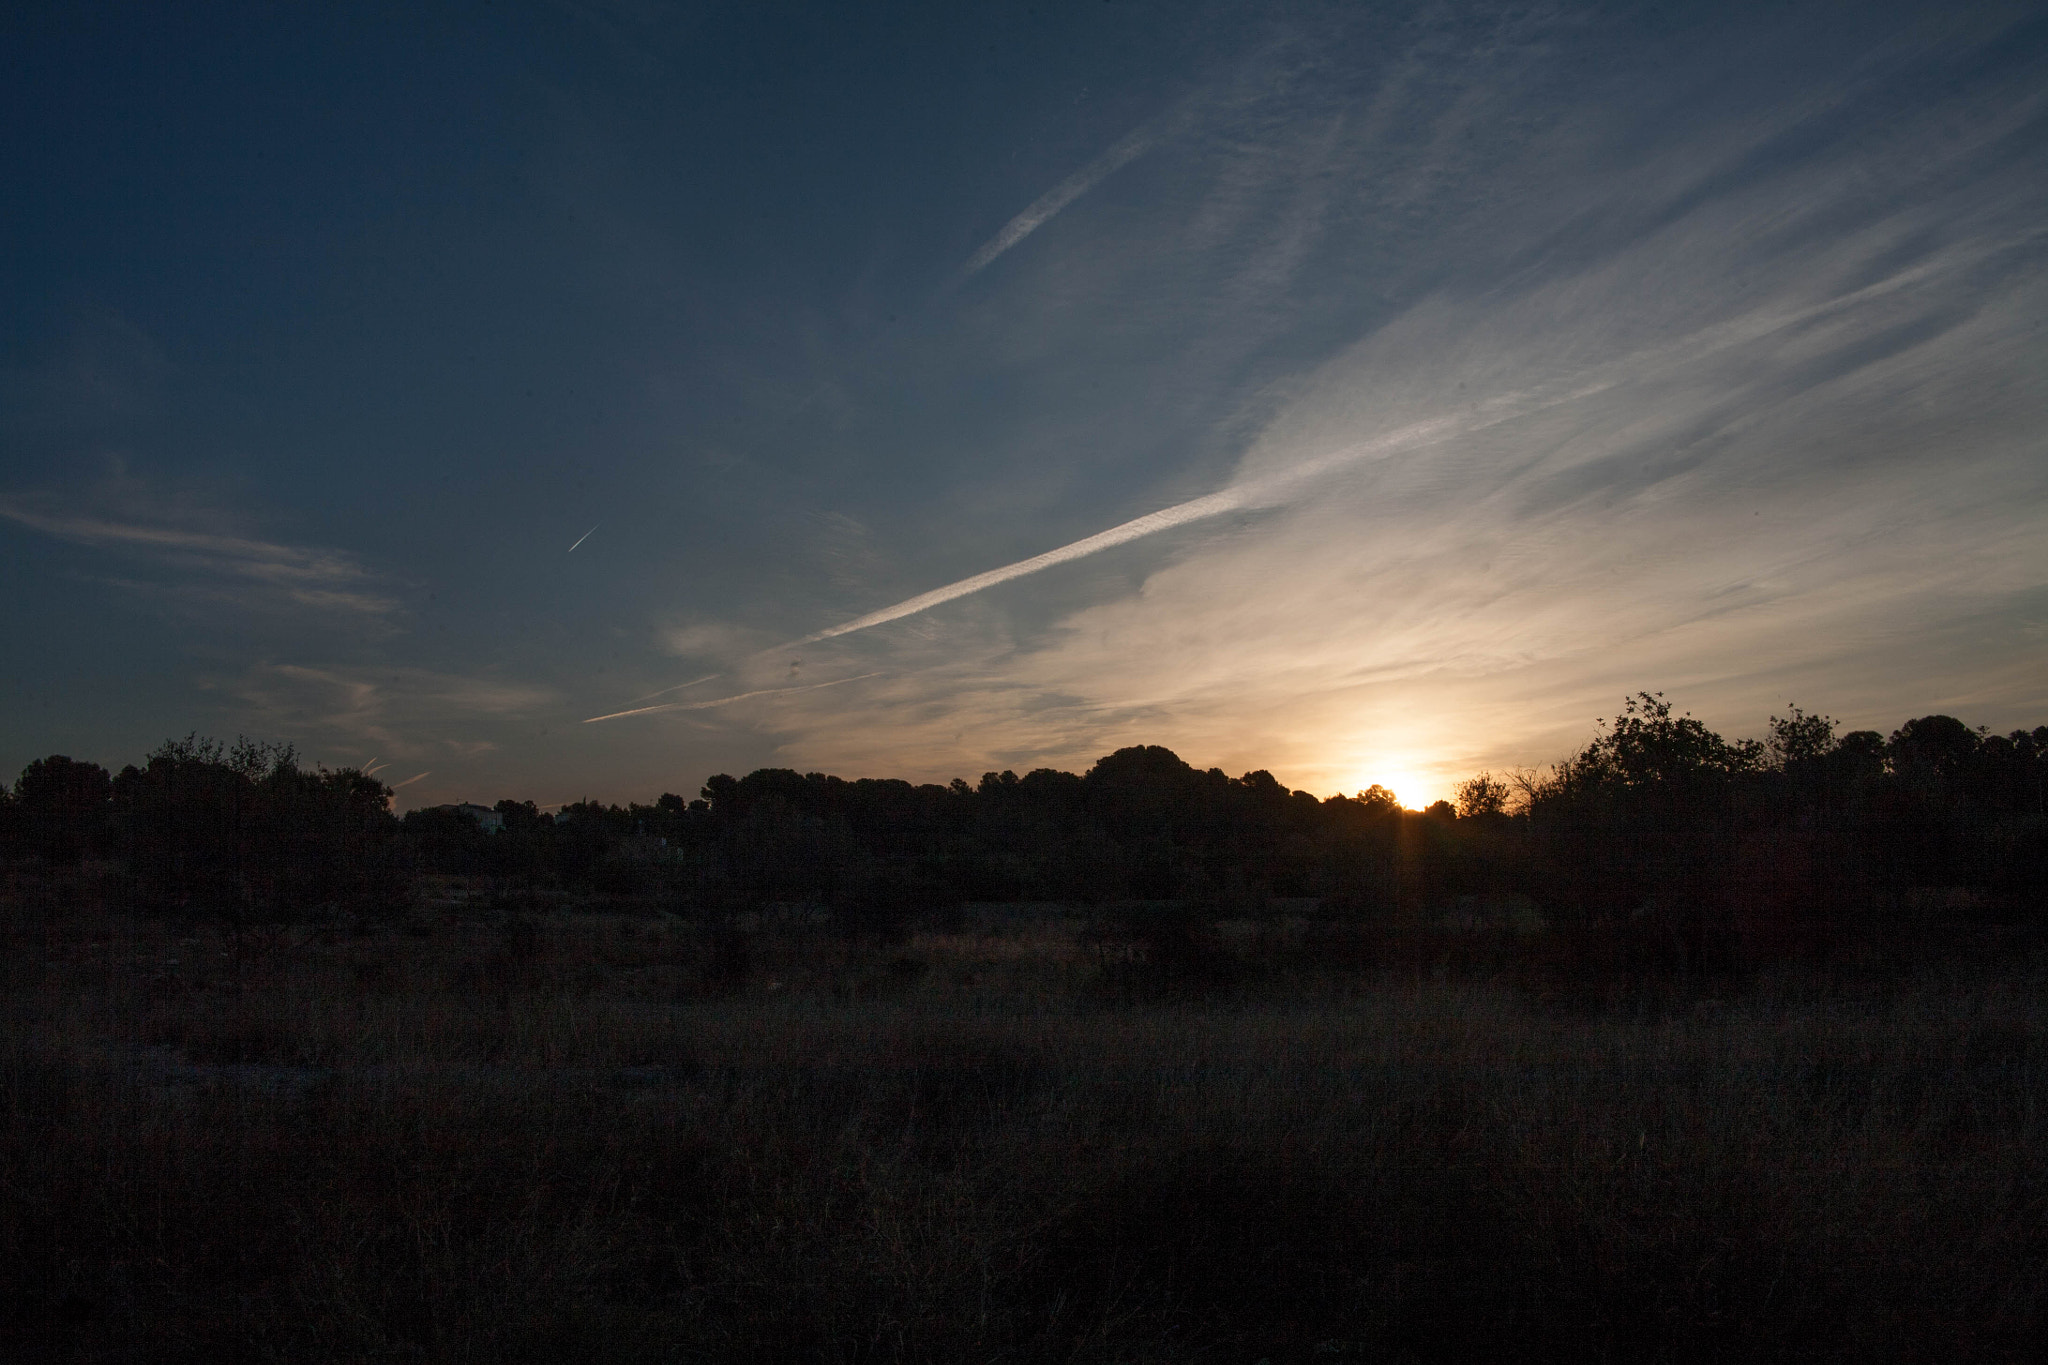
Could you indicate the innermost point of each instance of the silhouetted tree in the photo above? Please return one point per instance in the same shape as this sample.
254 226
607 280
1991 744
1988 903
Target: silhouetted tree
1799 742
1483 796
62 808
445 841
243 830
1659 840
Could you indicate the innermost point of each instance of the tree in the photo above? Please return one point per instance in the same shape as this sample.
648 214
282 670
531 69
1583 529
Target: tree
1647 746
1933 749
1482 796
63 807
231 831
1799 741
1379 801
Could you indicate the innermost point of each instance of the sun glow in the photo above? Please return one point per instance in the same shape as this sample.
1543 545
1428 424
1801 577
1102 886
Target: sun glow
1411 789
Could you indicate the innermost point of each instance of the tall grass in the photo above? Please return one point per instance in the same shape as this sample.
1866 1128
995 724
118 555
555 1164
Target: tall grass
582 1137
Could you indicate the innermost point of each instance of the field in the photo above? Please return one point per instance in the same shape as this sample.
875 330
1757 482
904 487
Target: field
498 1134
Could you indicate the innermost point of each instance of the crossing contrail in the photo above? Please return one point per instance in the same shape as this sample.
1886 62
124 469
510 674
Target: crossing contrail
727 701
660 691
585 536
1265 492
1274 489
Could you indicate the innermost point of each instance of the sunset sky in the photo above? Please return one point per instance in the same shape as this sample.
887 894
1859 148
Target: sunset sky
1369 393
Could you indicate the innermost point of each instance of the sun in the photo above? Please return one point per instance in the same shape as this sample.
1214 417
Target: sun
1408 765
1410 788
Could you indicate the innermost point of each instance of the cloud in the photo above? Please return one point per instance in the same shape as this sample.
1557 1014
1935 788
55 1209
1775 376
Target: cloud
1267 480
713 640
324 580
1758 420
406 712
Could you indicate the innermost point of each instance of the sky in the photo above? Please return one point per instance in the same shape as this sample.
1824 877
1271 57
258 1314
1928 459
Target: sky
563 401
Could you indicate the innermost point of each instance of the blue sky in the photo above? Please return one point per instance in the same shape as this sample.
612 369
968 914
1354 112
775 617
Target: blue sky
1450 370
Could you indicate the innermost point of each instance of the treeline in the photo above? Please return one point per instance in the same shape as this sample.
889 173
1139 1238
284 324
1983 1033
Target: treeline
206 829
1691 842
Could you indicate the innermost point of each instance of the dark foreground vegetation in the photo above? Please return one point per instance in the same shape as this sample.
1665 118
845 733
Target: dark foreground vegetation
1683 1050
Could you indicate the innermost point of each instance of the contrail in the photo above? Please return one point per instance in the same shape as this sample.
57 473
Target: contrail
1133 146
1491 412
1274 489
1213 505
410 780
1257 493
727 701
585 536
677 688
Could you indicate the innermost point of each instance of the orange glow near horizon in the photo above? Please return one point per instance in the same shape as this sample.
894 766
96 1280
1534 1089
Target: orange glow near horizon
1409 786
1404 760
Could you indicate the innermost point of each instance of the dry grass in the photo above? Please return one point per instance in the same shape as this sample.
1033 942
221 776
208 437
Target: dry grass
590 1137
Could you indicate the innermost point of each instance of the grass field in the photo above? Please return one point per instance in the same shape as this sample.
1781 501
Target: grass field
493 1136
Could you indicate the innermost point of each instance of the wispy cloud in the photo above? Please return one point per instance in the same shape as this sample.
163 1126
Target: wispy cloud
712 642
406 712
325 580
1269 483
1756 420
